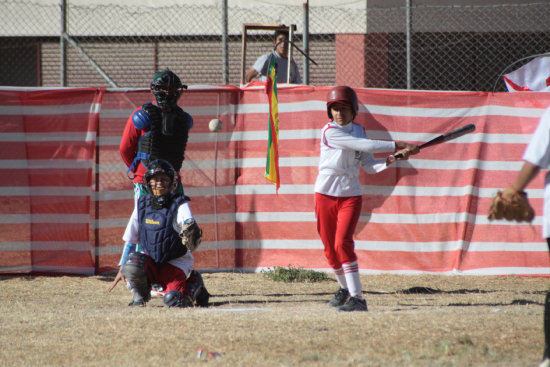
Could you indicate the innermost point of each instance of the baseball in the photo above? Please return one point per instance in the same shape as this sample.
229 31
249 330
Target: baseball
215 125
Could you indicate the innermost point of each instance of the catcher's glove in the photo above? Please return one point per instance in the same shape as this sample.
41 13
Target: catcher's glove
191 235
511 205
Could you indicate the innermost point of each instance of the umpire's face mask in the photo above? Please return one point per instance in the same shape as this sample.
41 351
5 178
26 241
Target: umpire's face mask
166 99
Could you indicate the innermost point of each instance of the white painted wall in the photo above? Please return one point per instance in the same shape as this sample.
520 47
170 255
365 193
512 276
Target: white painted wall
192 17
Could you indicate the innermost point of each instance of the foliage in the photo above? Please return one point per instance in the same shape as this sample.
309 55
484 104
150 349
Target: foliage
292 275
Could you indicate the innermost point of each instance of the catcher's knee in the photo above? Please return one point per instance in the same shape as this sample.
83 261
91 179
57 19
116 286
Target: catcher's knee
176 298
194 294
197 289
203 297
135 266
135 271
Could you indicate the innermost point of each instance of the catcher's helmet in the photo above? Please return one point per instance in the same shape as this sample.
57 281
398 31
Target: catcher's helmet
156 167
344 95
166 87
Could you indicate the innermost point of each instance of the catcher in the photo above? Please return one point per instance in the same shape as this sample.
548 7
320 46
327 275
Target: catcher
512 204
162 222
153 131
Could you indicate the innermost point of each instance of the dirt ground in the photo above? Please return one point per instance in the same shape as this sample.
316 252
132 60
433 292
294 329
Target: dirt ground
428 320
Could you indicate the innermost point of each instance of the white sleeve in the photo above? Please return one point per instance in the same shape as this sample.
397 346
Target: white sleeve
184 213
372 165
131 234
336 138
538 150
260 63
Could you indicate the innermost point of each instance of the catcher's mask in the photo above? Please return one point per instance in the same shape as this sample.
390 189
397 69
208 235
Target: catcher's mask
161 182
167 88
344 95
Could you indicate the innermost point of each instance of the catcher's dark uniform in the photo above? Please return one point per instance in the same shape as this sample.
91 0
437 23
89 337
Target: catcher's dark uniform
160 230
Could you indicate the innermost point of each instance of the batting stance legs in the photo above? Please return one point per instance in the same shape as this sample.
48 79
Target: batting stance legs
337 219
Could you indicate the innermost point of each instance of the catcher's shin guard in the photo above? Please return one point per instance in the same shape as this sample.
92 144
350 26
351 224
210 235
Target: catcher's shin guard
197 290
202 298
135 271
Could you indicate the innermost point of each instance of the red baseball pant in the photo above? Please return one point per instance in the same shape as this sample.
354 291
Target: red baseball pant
337 219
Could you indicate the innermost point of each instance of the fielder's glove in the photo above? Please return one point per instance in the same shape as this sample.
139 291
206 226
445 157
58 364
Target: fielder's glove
191 235
514 207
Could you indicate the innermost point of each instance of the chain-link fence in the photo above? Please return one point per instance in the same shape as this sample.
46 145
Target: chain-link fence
451 47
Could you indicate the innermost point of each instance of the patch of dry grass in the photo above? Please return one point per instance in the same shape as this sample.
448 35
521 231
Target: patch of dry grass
425 320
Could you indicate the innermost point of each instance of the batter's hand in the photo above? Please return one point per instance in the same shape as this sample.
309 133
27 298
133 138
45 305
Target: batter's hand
403 151
118 278
411 149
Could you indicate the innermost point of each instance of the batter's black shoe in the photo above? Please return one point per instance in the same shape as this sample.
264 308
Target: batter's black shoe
354 304
339 298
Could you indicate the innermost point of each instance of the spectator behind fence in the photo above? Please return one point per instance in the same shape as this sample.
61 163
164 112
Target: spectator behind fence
280 53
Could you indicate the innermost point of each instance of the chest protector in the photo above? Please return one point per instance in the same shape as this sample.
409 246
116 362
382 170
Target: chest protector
167 137
156 233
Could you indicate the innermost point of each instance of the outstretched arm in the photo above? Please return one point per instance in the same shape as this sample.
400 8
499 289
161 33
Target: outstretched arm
404 150
527 173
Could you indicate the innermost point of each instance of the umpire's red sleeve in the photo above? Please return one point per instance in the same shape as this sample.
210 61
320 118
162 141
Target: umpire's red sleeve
129 142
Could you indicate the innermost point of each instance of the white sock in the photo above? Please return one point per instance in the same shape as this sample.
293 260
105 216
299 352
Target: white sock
351 272
341 278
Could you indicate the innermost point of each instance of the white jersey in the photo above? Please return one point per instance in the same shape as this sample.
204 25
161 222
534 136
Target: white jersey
131 235
343 150
281 66
538 153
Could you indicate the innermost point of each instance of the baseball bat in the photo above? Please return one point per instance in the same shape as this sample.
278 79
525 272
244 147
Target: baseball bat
456 133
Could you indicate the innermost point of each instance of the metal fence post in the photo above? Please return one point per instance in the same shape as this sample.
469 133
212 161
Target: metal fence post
225 47
409 31
305 42
62 44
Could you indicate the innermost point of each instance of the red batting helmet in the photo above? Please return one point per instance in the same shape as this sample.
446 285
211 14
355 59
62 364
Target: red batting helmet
344 95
